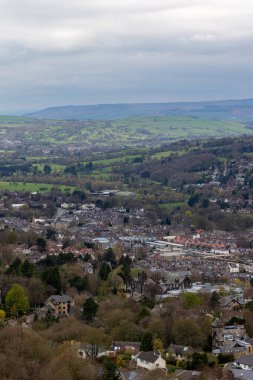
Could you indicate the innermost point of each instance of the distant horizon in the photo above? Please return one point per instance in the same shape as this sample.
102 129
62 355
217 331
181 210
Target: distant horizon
24 112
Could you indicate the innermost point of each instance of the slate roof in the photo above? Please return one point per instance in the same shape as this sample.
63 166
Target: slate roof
247 360
180 350
59 298
149 356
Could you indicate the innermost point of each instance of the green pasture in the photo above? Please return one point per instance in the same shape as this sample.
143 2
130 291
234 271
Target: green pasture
56 168
172 205
32 187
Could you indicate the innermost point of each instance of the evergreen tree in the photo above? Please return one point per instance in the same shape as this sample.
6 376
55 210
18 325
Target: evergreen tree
104 271
80 283
14 267
147 342
110 256
47 169
50 234
51 276
41 244
49 318
90 308
111 371
215 300
26 268
125 272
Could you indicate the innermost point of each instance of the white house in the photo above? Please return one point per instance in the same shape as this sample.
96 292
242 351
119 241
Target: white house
150 360
234 267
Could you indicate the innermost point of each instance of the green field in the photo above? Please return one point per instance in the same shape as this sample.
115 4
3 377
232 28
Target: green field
172 205
56 168
128 133
32 187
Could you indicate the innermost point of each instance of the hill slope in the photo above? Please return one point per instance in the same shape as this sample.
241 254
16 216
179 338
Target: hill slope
226 109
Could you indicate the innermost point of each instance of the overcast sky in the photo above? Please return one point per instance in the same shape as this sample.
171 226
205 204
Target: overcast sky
59 52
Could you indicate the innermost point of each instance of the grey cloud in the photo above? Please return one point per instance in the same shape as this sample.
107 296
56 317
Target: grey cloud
62 52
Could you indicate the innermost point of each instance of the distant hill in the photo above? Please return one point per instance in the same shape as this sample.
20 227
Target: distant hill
241 110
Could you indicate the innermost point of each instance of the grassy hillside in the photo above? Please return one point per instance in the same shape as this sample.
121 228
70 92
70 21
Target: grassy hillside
122 133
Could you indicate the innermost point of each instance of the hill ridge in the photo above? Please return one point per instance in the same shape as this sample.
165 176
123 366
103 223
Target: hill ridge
241 109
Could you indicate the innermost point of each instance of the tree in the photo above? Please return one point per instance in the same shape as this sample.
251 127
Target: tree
110 256
49 318
14 267
26 268
104 271
90 308
47 169
187 332
147 342
125 272
41 244
143 313
2 314
50 234
199 360
193 200
225 358
89 166
51 276
191 300
110 370
17 298
36 291
205 203
157 344
80 283
215 300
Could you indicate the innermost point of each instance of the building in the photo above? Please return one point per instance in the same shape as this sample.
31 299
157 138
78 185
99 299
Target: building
232 302
230 339
61 305
180 352
131 347
245 362
234 267
150 360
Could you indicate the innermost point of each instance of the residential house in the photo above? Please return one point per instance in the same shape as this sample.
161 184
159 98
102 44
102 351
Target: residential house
230 339
131 347
232 302
234 267
61 305
150 360
172 281
180 352
245 362
88 267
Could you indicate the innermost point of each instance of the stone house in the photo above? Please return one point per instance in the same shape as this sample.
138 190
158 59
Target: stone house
61 305
230 339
